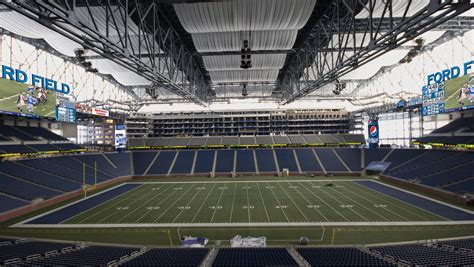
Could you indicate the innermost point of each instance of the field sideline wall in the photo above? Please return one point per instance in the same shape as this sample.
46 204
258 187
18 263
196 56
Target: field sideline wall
427 189
58 199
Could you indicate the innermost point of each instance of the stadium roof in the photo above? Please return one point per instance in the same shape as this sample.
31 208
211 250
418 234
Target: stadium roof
206 52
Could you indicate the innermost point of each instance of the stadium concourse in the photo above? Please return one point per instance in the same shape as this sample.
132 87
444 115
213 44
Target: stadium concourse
237 133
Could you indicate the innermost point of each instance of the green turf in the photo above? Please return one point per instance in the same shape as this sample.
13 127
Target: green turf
252 202
275 235
9 91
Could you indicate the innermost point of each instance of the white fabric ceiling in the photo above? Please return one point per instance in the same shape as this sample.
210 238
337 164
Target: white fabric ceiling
223 26
244 76
232 41
398 8
21 25
244 15
232 62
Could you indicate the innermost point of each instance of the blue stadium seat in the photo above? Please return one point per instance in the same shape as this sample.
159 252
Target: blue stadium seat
418 255
22 250
162 163
141 161
351 157
459 243
307 160
37 177
462 187
245 161
340 257
76 166
170 257
286 159
25 190
204 161
104 168
184 162
89 256
121 161
374 154
10 131
400 156
10 203
265 161
253 257
329 160
46 165
40 132
225 161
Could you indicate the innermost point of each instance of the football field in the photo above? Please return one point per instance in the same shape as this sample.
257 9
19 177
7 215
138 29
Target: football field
291 201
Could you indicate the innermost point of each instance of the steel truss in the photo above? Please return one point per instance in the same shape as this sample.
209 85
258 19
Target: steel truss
140 33
315 65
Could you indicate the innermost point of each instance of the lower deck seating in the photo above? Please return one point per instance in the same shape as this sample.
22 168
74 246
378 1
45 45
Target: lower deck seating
418 255
170 257
10 203
23 250
25 190
329 160
68 254
449 170
460 243
340 257
204 161
141 161
14 149
253 257
89 256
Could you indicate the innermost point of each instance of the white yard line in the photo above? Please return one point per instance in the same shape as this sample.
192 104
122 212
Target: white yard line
248 200
189 202
309 203
327 204
218 202
253 224
360 204
294 203
377 196
373 192
174 203
202 204
349 208
142 188
253 181
233 201
148 201
279 204
263 202
9 97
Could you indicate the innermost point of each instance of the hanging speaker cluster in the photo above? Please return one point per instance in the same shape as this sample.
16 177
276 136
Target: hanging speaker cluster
83 62
246 61
244 90
339 87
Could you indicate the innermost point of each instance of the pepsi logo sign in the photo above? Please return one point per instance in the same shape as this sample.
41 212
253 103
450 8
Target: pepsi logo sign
373 130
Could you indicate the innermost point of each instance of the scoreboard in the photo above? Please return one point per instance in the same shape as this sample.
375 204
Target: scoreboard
65 108
433 99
